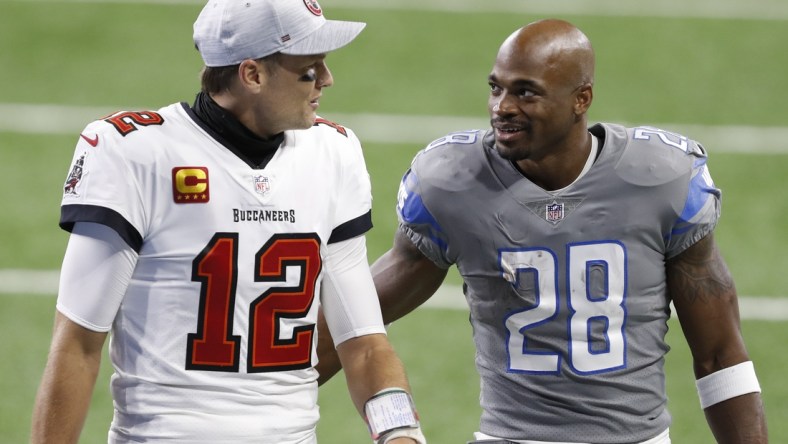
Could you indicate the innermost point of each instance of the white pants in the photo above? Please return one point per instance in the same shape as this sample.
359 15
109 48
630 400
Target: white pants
662 438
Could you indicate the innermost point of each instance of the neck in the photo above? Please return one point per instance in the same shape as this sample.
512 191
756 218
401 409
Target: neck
562 166
232 132
243 112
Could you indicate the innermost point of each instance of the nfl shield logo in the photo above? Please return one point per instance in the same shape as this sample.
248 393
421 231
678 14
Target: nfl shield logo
554 212
262 185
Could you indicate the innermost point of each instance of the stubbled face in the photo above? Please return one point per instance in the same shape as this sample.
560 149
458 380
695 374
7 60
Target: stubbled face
292 91
532 100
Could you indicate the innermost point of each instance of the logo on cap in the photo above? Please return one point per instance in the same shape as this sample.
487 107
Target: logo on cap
313 7
190 185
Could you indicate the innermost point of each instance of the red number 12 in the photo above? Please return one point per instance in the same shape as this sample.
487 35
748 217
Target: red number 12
214 347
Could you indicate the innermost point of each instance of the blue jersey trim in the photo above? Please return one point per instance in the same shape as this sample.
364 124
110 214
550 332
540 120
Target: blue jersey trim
700 191
412 210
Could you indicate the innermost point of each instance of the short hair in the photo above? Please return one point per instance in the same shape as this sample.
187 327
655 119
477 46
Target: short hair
215 79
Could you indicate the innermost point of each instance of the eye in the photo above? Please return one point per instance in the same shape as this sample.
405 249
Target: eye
495 89
309 76
527 93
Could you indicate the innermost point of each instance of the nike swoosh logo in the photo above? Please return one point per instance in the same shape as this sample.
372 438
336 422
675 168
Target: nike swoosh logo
93 142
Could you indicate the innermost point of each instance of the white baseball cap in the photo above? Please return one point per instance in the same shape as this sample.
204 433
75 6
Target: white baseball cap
228 32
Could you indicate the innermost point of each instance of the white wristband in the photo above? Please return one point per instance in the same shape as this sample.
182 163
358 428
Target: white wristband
389 410
412 433
727 383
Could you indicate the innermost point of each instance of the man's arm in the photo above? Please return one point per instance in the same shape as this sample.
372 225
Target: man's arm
67 385
704 296
97 267
404 279
371 365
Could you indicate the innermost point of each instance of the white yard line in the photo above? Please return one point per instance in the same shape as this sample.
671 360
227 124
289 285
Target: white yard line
387 128
45 283
707 9
35 282
711 9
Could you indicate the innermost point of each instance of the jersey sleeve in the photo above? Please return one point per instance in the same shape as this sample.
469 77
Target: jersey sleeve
353 216
101 187
418 222
348 295
702 206
96 271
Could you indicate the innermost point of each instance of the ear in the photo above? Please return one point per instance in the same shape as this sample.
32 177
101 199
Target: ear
583 98
252 75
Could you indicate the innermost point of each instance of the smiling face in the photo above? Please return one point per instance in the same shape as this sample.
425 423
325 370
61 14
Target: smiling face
540 90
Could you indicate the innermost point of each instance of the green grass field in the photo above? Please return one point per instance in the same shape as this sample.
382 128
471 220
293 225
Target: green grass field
650 70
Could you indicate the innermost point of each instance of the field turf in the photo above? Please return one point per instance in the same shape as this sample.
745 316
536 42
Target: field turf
650 70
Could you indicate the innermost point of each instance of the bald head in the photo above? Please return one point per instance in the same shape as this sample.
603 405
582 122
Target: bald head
558 46
541 87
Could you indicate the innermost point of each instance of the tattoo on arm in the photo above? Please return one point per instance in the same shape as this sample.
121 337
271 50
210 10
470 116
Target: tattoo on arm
699 274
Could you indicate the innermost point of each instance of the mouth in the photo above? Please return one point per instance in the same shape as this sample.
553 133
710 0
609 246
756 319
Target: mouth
314 103
505 125
508 130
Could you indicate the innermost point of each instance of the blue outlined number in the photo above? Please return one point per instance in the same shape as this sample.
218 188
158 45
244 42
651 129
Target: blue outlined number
603 263
668 138
461 137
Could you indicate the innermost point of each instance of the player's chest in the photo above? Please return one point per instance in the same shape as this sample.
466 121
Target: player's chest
198 192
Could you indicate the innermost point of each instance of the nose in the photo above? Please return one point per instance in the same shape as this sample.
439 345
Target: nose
502 104
324 77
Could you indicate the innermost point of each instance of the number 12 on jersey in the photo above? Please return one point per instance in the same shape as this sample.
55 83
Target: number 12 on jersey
214 347
596 310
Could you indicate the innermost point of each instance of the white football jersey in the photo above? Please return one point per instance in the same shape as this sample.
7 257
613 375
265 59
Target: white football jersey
215 338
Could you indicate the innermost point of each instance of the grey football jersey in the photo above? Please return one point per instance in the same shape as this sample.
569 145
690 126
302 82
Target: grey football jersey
567 292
